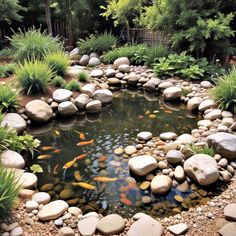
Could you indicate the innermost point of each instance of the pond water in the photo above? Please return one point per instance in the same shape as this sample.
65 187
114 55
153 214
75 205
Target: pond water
117 125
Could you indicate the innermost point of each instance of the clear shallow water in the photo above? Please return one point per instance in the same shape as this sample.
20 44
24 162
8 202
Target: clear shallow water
116 126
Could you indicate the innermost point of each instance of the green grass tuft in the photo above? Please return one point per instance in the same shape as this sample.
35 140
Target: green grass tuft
203 150
73 85
58 81
83 76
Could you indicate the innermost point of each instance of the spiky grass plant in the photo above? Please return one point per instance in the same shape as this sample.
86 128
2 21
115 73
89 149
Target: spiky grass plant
58 61
225 91
33 76
9 99
9 190
83 76
203 150
33 44
58 81
73 85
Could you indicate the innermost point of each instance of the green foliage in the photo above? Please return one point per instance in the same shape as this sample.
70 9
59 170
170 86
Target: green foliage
6 53
6 70
186 67
58 61
36 168
58 81
203 150
9 10
33 44
100 43
9 99
9 190
225 91
33 76
83 76
73 85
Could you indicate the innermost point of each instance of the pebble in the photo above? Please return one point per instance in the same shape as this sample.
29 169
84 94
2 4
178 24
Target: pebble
58 222
41 198
18 231
31 205
129 150
178 229
66 231
88 226
11 226
145 135
74 211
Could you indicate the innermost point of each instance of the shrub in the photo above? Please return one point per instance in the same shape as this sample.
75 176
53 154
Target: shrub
225 91
58 81
6 70
6 53
203 150
83 76
9 190
9 99
33 44
100 44
58 61
73 85
33 76
155 52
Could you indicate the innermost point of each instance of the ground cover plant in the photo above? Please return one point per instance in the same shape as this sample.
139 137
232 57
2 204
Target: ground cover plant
225 91
58 81
203 150
73 85
33 44
6 53
83 76
97 43
33 76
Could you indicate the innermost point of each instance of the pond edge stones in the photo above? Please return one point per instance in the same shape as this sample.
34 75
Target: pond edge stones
142 165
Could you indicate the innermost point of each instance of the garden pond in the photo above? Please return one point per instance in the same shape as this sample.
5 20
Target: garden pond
97 136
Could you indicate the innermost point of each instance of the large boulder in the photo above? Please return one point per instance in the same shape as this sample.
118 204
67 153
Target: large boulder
82 100
88 89
103 95
224 144
202 168
142 165
52 210
151 85
133 79
62 95
84 60
28 180
67 109
193 103
161 184
12 159
38 111
172 93
120 61
74 54
15 121
206 104
94 61
94 106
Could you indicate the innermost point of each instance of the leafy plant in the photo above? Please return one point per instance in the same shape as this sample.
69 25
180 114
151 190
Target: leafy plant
202 150
58 81
100 43
193 72
6 53
83 76
9 190
58 61
33 44
9 99
33 76
225 91
36 168
73 85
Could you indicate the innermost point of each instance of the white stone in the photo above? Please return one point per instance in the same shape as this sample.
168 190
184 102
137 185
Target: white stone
41 198
28 180
94 106
103 95
94 61
144 136
179 173
120 61
168 136
124 68
67 108
178 229
206 104
97 73
88 89
193 103
206 84
174 156
62 95
31 205
213 115
84 60
12 159
87 226
161 184
82 100
172 93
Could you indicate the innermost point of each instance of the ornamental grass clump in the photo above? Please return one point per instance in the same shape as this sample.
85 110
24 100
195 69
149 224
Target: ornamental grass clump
58 81
83 76
33 76
58 62
9 99
9 190
33 44
73 85
225 91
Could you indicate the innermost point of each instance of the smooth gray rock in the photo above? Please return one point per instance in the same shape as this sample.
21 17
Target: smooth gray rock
12 159
103 95
88 225
151 85
161 184
67 109
174 156
228 229
120 61
62 95
230 212
84 60
94 106
88 89
144 136
178 229
94 61
97 73
82 100
172 93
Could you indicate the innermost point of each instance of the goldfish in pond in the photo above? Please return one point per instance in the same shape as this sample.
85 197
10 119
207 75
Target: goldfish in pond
147 112
84 143
55 169
57 151
77 175
81 135
57 132
47 148
104 179
80 157
167 111
156 111
152 116
84 185
42 157
126 201
69 164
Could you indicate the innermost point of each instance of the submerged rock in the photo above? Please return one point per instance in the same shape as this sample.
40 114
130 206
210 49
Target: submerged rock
202 168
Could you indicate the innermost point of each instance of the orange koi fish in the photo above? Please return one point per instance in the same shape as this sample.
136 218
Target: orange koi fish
57 151
104 179
152 116
84 185
69 164
42 157
84 143
167 111
55 169
80 157
126 201
147 112
81 135
47 148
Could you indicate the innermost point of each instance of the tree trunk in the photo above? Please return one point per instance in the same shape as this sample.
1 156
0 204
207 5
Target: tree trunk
128 34
70 25
48 17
